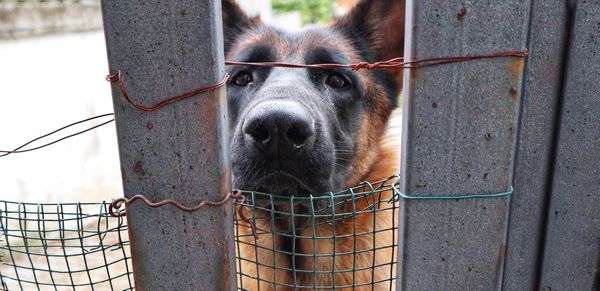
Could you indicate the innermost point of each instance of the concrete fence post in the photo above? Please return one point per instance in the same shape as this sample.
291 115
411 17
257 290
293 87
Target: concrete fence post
165 48
459 137
542 85
571 257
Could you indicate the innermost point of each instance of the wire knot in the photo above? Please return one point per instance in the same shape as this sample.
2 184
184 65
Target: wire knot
115 205
113 77
363 65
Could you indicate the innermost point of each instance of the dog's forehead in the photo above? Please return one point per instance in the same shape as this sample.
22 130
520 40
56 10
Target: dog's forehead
294 45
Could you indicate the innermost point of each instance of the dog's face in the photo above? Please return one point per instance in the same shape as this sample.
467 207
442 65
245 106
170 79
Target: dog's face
300 131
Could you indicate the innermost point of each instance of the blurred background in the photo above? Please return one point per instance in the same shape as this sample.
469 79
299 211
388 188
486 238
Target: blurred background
52 68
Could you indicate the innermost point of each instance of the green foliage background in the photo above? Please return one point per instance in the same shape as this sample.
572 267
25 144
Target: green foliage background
312 11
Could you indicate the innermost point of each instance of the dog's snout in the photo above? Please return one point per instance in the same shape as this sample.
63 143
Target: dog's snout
279 128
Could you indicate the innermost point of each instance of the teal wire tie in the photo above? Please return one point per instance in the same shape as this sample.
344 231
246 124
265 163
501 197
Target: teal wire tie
405 196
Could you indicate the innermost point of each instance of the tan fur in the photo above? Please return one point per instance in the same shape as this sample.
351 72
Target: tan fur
371 135
385 164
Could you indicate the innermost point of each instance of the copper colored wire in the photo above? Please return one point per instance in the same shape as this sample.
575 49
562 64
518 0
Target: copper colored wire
116 204
395 63
120 77
392 63
20 149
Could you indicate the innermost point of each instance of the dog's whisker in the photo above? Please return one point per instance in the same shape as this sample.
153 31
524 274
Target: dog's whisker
253 173
338 166
343 150
343 160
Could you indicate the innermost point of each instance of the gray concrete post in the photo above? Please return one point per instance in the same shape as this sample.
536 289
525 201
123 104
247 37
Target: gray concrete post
179 152
459 137
571 259
542 85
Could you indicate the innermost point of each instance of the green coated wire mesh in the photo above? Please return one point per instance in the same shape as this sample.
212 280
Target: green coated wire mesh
345 240
70 246
339 241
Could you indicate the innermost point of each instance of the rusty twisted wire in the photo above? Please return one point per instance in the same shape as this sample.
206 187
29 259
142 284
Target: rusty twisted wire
20 149
115 206
119 76
395 63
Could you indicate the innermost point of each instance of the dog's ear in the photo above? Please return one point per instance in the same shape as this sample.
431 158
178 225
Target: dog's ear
235 22
378 25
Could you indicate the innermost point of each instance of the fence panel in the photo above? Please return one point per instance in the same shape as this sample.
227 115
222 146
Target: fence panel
179 152
572 246
548 40
460 126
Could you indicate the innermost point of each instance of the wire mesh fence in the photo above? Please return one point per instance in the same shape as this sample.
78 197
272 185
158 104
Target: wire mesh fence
63 247
336 241
339 241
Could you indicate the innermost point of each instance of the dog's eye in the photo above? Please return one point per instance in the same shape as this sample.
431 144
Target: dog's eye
242 79
336 81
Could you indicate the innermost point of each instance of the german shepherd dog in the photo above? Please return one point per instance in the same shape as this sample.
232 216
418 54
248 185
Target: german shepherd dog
311 131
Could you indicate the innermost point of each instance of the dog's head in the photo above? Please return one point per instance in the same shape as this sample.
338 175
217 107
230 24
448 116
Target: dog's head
301 131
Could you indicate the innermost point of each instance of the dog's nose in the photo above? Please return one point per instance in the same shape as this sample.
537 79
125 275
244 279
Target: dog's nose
279 128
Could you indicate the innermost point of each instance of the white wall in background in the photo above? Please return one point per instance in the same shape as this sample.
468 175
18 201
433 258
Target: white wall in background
257 7
45 83
289 21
